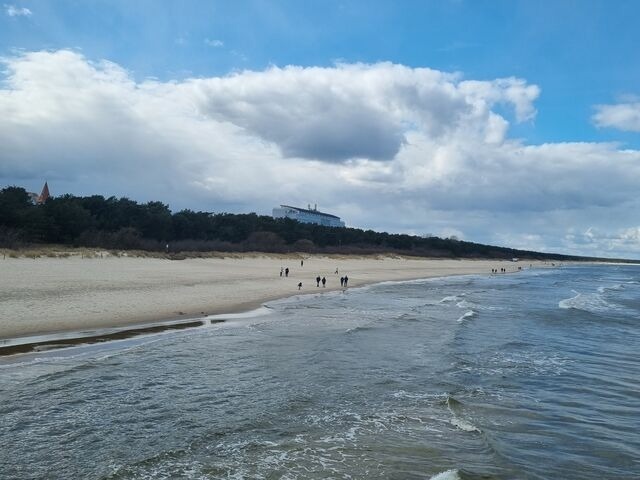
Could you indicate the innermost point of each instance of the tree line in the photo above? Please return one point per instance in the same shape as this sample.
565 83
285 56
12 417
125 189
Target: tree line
121 223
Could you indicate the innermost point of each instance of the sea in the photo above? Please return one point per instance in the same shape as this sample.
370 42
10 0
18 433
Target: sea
532 375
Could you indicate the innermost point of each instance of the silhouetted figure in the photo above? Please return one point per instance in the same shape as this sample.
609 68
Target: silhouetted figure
324 282
299 285
286 272
281 271
342 281
301 263
318 281
336 270
346 280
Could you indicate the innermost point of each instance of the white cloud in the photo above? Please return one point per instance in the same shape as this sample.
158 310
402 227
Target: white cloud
383 145
213 43
599 243
14 11
623 116
360 111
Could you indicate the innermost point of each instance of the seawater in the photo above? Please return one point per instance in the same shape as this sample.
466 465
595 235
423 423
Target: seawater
526 376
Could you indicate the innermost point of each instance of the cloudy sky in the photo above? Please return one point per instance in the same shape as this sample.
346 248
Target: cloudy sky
503 122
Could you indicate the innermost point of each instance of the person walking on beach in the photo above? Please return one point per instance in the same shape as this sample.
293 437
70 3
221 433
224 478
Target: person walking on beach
324 282
299 285
342 281
346 279
336 270
281 271
318 281
286 272
302 263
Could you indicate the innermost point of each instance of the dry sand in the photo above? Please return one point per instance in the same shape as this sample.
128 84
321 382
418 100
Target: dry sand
48 295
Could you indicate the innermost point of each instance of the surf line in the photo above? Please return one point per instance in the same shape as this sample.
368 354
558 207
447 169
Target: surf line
54 342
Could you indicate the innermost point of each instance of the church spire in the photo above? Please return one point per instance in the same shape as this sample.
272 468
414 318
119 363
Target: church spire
44 195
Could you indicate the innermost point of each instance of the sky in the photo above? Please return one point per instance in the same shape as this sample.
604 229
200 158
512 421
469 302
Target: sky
513 123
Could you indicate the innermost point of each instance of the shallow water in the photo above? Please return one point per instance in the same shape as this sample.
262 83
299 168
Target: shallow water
534 375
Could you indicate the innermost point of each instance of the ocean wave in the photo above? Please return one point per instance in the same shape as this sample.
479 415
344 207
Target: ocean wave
448 475
450 298
359 328
587 302
463 425
407 317
530 362
419 396
617 286
464 304
466 315
454 406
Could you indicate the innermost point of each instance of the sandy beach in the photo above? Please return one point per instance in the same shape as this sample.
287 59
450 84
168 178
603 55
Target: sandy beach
50 295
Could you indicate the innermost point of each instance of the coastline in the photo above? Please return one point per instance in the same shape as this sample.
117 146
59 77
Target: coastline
59 296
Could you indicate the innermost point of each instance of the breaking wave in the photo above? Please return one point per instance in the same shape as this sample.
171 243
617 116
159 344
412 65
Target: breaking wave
454 406
603 289
588 302
448 475
466 315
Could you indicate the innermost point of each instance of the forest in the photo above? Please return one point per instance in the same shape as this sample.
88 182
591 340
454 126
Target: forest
121 223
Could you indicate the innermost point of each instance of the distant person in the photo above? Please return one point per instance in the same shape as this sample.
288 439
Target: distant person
281 271
336 270
301 263
286 272
324 282
342 281
346 280
299 285
318 281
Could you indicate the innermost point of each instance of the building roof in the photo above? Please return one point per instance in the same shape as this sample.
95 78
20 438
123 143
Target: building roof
45 194
314 212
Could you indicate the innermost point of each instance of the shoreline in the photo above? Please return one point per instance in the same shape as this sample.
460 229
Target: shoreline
93 298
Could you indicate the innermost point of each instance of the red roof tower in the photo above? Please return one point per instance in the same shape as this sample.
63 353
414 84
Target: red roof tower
44 195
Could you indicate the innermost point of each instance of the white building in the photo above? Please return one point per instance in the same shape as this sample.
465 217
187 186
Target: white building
307 215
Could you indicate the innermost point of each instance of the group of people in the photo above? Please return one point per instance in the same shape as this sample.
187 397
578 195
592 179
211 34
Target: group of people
495 270
344 281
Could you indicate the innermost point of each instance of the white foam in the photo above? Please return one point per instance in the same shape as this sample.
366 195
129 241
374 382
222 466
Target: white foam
450 298
588 302
418 396
258 312
463 304
448 475
458 422
467 314
603 289
464 425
